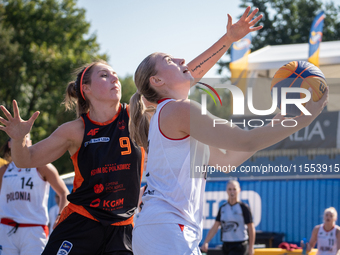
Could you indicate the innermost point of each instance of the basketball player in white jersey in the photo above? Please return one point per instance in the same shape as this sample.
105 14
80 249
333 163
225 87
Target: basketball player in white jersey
180 138
23 205
326 235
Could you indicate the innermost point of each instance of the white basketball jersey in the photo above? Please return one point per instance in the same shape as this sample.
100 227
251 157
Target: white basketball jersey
327 243
174 191
24 196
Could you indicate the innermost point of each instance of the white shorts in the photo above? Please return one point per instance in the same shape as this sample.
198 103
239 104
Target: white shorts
26 240
165 239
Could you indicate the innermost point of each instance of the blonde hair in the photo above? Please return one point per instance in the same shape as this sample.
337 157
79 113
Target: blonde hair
73 98
236 183
139 113
333 211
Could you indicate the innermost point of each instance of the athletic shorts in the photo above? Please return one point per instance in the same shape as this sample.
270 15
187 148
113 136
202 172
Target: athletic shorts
165 239
77 235
23 240
235 248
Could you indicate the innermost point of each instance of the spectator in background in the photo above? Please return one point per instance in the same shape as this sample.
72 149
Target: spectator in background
23 204
236 222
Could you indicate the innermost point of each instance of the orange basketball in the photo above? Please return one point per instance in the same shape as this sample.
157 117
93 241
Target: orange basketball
299 74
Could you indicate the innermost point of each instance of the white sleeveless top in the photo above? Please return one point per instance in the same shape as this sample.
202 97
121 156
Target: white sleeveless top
24 196
172 194
327 243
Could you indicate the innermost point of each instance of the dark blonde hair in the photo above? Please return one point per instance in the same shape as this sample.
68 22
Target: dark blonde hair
6 151
73 98
139 113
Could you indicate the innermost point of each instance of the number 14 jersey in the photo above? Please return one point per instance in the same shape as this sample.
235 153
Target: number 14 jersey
24 196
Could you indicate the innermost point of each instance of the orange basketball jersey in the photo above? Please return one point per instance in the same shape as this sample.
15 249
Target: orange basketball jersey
108 168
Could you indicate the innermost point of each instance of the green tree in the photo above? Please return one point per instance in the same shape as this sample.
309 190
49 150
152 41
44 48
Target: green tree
289 21
41 43
128 88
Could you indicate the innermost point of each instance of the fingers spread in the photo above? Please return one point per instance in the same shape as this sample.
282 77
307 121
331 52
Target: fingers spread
6 112
255 28
230 21
16 109
245 14
252 14
33 118
3 121
253 22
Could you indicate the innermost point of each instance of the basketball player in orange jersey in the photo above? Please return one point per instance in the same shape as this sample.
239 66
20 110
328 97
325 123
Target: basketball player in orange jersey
326 235
180 138
107 165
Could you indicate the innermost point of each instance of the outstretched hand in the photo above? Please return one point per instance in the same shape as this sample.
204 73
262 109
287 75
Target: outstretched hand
315 108
15 127
244 26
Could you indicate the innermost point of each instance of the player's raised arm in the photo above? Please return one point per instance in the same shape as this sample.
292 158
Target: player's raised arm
205 61
42 153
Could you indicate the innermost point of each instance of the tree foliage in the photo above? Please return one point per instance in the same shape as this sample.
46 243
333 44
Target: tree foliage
289 21
128 88
41 43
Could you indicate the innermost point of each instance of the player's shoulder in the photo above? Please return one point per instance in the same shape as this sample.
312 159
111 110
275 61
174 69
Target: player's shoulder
180 103
337 229
317 227
180 107
71 128
224 205
3 169
243 204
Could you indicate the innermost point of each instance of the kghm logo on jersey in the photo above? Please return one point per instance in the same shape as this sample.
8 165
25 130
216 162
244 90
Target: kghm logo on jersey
97 140
65 248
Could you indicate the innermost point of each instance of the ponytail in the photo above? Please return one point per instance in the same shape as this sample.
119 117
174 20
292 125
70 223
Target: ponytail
140 116
74 97
74 100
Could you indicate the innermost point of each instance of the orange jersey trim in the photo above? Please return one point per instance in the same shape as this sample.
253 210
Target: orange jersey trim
106 122
82 211
78 178
128 110
142 163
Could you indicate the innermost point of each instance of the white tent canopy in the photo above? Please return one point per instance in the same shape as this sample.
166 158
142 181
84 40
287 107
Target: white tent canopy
273 57
264 62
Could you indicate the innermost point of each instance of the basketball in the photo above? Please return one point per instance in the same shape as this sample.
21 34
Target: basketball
299 74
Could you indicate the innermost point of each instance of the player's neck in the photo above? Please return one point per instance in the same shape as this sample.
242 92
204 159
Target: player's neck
328 226
103 114
232 201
